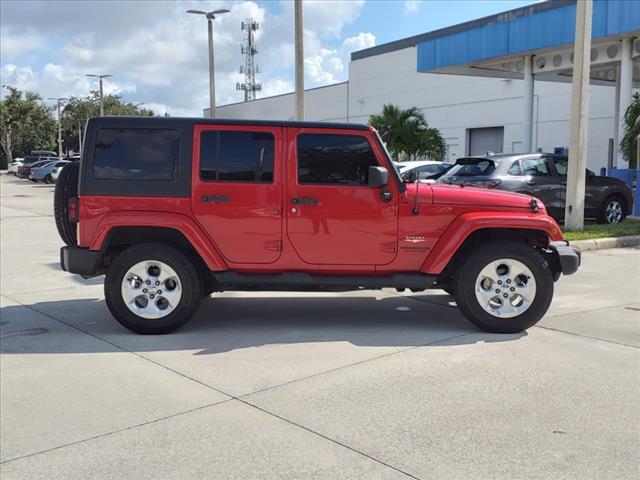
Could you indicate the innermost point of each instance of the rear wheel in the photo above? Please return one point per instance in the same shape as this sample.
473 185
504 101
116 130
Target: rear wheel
504 287
613 210
66 188
152 288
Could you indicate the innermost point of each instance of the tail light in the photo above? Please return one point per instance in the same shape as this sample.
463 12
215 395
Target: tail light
33 170
73 209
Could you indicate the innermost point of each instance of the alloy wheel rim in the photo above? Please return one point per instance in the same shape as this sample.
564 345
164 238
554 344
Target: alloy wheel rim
613 212
505 288
151 289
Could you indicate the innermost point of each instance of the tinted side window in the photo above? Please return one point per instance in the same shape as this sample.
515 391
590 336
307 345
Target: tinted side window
236 156
334 159
561 165
514 169
535 166
136 154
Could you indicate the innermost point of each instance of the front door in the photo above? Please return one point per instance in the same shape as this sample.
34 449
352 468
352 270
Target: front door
333 216
236 190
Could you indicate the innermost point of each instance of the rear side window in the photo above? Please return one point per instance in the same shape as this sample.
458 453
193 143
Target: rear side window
535 166
334 159
136 154
562 165
515 169
236 156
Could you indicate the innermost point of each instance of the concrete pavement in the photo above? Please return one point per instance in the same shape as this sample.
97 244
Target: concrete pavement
358 385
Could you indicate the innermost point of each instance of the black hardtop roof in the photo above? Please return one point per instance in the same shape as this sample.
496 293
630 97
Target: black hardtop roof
189 121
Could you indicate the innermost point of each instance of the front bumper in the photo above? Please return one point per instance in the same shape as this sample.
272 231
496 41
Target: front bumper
569 258
78 260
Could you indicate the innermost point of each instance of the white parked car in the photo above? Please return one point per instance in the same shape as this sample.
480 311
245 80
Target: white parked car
426 169
14 165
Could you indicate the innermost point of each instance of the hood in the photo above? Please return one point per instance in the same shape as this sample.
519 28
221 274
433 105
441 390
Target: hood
458 195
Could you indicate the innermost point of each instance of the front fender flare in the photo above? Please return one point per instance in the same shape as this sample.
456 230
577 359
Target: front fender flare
198 239
464 225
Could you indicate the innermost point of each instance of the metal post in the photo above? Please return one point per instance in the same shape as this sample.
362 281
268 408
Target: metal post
576 175
616 117
528 105
299 61
101 99
59 132
80 138
212 77
625 83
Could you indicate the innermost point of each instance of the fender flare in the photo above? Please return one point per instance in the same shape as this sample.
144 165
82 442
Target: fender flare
194 234
466 224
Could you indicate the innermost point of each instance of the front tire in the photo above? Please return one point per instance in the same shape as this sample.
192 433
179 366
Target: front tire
504 287
152 288
48 179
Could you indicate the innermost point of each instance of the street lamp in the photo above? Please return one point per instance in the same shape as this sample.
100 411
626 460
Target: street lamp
59 100
101 95
212 80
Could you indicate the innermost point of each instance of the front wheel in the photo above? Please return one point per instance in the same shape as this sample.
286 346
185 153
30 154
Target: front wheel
152 288
48 179
504 287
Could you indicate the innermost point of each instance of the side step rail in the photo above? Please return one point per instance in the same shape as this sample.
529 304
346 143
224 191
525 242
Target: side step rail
292 281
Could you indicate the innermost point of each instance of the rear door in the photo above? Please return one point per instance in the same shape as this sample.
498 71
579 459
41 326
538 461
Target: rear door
333 216
236 190
541 182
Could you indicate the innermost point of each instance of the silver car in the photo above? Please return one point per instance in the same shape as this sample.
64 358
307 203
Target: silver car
44 173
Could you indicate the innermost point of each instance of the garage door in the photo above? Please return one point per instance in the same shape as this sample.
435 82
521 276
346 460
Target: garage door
483 140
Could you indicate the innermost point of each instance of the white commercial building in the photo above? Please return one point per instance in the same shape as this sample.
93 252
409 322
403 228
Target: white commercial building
470 80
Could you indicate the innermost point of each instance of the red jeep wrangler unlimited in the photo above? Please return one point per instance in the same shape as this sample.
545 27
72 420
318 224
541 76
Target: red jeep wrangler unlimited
174 209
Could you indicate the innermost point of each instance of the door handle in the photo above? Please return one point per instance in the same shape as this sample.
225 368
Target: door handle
218 198
305 201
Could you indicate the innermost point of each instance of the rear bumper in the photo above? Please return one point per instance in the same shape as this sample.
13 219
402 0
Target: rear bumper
78 260
568 257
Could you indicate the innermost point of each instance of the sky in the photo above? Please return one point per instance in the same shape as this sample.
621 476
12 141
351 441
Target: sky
157 54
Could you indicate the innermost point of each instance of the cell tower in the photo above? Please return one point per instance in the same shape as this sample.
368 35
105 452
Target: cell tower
249 49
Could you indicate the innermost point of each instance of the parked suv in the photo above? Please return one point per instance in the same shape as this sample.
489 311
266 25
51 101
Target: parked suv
544 175
171 210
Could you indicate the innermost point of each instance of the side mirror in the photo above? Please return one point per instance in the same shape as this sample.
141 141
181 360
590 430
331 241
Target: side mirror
378 177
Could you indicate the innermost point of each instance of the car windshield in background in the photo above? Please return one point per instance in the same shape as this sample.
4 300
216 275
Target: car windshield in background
471 167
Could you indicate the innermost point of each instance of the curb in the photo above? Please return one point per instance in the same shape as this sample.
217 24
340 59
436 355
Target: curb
605 243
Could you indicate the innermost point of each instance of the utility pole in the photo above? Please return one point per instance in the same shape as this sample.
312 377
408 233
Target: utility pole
100 77
249 49
212 78
59 101
576 174
299 61
79 138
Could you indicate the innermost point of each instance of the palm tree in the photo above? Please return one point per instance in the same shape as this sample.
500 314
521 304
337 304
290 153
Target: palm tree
407 134
629 142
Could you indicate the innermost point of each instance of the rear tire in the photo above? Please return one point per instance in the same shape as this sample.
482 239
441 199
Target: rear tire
150 317
66 188
613 210
513 298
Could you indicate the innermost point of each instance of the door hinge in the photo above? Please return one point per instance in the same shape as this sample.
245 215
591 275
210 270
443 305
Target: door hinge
273 245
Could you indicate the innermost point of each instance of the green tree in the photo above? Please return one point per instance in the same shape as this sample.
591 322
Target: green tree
408 135
78 110
629 142
26 124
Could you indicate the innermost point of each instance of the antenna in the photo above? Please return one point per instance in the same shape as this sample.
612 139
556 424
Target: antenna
249 49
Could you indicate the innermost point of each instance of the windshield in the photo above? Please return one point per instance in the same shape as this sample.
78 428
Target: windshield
471 168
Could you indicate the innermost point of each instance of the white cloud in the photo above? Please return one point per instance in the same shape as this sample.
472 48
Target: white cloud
157 54
411 6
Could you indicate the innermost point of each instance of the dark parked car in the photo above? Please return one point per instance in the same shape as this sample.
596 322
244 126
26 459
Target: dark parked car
544 176
25 170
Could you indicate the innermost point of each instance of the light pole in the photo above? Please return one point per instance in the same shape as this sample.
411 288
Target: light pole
299 60
212 79
101 94
59 101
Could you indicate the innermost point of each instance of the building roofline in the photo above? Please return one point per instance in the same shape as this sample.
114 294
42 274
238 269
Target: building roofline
461 27
283 94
